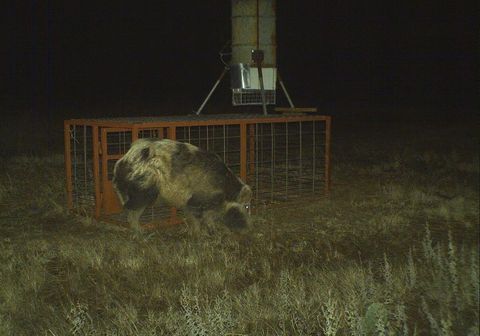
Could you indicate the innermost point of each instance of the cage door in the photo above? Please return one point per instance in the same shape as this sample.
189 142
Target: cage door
115 144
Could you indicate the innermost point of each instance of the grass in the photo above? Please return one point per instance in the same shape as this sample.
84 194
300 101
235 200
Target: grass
392 251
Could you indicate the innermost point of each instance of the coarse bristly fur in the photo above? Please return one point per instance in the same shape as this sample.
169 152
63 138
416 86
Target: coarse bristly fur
185 177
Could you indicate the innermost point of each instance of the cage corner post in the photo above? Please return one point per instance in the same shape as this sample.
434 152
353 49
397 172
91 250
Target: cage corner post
172 135
328 138
135 131
96 170
68 163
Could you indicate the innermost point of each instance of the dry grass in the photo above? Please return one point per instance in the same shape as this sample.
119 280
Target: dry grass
394 250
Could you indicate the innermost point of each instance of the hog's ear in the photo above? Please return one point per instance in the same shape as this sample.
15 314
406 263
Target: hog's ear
245 195
145 153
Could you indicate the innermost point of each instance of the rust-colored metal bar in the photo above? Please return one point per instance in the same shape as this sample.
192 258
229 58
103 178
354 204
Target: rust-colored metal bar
180 123
68 163
251 145
104 149
328 137
135 130
243 151
96 171
172 135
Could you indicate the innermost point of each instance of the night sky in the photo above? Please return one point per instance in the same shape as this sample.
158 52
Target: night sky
71 54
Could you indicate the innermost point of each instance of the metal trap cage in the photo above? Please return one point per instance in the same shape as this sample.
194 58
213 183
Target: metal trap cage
283 158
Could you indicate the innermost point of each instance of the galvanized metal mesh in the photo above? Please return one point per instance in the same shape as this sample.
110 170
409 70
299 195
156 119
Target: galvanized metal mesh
223 140
287 161
82 185
117 144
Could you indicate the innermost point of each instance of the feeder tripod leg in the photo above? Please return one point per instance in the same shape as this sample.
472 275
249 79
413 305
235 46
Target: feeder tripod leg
211 91
285 90
262 90
257 57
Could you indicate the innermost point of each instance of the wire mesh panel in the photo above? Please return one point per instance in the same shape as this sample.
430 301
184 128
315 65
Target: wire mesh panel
116 143
223 140
81 184
287 160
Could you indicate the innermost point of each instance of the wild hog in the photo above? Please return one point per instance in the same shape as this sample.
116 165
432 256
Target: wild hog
184 176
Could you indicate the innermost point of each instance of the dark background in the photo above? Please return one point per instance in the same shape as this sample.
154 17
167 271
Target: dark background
78 59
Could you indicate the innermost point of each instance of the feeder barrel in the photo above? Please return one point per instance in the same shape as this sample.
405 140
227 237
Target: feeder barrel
253 27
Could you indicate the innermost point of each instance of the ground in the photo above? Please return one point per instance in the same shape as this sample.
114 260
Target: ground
394 249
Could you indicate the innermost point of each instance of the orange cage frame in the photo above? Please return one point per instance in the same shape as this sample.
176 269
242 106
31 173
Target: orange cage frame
105 201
